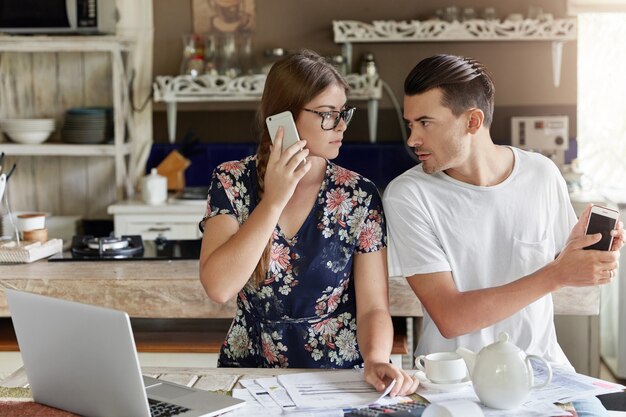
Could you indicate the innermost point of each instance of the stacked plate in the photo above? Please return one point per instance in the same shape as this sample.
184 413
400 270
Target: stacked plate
28 131
88 125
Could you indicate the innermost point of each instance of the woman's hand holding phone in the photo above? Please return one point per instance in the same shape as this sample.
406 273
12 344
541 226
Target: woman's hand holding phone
284 170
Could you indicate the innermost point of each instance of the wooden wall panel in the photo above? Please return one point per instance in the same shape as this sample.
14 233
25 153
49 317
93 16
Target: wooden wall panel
73 186
100 189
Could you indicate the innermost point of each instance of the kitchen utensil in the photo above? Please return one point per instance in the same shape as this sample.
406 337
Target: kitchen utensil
502 374
3 183
11 171
173 167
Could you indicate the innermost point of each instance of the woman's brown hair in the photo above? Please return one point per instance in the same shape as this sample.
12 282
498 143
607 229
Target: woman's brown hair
291 83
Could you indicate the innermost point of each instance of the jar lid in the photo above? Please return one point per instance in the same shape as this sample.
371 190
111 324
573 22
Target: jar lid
274 52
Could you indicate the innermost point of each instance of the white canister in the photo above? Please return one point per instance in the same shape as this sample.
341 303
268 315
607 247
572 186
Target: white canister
154 188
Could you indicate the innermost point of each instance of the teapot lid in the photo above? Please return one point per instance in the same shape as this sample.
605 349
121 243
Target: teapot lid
503 344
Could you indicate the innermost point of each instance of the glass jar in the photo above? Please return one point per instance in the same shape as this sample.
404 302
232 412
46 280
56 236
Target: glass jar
270 56
339 62
227 56
368 65
469 13
246 57
210 55
193 55
451 14
489 13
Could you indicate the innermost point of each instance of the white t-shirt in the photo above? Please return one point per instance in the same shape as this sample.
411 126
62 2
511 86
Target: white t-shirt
487 237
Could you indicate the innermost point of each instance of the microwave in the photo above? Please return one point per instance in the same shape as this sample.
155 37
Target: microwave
57 16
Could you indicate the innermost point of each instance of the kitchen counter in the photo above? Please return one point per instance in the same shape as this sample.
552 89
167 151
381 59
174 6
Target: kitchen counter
172 289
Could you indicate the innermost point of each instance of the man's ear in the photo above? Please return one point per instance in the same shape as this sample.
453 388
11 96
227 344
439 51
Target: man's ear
475 120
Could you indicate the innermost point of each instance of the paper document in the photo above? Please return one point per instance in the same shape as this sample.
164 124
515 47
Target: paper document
260 394
567 386
277 392
337 389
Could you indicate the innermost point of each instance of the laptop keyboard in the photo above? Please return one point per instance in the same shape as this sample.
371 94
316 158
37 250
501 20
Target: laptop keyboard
163 409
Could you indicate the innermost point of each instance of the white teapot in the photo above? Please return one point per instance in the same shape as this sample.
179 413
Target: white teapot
502 374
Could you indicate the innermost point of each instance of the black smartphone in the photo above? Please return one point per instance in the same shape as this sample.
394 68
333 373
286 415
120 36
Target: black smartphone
602 220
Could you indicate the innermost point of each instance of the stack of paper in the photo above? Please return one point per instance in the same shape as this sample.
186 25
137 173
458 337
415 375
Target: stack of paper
310 394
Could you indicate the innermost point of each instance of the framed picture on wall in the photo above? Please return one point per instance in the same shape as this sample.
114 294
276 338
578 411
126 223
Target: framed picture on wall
223 16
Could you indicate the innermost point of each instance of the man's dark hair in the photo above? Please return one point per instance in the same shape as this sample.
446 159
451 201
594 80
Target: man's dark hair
465 83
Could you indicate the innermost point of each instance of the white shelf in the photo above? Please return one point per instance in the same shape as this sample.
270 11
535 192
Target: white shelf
218 88
558 31
118 47
442 31
249 88
62 149
11 43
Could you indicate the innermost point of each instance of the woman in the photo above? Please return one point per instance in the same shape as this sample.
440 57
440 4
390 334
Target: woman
301 241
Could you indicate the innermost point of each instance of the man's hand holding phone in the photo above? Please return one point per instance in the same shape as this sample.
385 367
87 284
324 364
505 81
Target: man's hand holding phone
285 169
579 266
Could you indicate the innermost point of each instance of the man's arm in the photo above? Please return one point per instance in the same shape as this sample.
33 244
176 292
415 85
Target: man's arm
456 313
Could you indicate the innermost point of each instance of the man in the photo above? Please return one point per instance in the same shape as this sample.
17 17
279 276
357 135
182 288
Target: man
483 233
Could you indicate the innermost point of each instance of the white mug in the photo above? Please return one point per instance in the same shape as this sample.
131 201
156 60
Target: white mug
442 367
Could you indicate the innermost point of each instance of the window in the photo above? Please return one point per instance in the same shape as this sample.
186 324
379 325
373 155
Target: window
602 98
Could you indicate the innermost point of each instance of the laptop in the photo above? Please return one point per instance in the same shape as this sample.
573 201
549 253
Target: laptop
82 358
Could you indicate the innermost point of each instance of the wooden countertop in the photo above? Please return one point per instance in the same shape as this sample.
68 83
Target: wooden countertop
172 289
161 289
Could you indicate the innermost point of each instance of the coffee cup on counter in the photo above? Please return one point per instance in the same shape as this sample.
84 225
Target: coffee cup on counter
442 367
31 221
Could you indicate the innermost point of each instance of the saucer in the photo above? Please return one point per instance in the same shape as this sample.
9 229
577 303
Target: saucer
428 384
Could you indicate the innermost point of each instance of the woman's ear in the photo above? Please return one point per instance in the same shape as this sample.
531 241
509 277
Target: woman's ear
475 120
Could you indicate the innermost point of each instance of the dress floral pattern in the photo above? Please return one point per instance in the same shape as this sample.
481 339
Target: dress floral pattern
304 313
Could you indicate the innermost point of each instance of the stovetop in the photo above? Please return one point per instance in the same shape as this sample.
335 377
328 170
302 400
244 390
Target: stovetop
128 248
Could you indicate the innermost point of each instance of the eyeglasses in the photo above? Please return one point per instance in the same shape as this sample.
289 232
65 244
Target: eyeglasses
330 119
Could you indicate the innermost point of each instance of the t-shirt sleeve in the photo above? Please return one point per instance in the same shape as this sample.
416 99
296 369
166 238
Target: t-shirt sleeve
414 248
219 200
373 233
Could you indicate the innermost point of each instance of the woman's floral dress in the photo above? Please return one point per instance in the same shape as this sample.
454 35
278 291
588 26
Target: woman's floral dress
304 314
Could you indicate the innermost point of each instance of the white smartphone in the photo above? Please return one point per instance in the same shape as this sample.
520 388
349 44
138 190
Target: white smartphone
284 119
602 220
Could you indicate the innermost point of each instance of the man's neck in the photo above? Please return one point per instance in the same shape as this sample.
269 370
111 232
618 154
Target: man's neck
487 165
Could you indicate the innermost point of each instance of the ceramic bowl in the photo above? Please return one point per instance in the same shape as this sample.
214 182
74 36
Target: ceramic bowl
28 137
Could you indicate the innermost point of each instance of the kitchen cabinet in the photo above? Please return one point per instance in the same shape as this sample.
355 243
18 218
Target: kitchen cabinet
171 220
118 49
